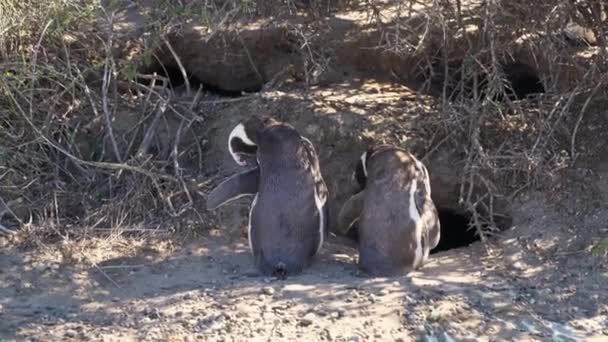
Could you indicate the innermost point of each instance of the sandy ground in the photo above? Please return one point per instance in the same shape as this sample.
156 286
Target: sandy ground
152 289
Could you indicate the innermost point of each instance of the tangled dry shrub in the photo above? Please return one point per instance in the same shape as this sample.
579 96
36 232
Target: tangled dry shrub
465 48
62 164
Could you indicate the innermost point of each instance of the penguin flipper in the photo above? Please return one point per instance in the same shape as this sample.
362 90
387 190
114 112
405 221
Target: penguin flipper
237 186
350 212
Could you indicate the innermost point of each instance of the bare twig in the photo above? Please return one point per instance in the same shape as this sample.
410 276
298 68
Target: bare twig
179 65
145 144
178 134
250 58
35 64
573 153
108 70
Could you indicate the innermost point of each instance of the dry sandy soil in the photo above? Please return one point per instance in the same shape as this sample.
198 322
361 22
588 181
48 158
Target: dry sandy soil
150 289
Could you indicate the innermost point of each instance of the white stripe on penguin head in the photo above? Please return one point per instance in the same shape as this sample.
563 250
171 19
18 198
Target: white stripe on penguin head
363 160
239 132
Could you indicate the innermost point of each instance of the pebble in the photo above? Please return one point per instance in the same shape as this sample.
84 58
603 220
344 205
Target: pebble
307 319
70 333
152 313
372 298
384 292
268 290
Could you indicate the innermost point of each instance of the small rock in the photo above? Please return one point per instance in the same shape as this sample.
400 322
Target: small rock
268 290
307 319
70 333
152 313
384 292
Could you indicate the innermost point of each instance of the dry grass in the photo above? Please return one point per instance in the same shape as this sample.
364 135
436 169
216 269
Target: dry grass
62 163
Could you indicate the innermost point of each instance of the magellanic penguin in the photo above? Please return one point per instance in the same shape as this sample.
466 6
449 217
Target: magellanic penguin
397 220
288 216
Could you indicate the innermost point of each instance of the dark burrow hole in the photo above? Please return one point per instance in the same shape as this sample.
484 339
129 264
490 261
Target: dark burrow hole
520 81
176 80
455 230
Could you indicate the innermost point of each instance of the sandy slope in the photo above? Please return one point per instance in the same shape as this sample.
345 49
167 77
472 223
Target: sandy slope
209 290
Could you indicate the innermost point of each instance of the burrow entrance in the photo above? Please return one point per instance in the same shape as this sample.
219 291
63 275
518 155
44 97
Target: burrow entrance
522 80
456 231
519 80
176 80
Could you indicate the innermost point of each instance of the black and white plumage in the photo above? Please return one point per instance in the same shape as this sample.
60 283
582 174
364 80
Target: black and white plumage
397 220
288 216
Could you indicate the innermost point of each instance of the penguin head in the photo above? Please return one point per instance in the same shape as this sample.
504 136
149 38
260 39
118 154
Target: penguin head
393 168
244 138
280 143
362 166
